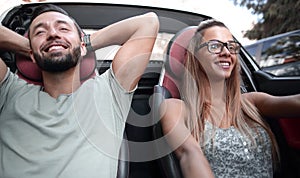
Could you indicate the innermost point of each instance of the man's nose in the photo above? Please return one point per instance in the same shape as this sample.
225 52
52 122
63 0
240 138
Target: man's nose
52 33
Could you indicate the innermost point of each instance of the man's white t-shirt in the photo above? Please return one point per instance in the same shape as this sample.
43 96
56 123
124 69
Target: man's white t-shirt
76 135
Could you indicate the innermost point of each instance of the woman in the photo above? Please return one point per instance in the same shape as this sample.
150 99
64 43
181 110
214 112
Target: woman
215 130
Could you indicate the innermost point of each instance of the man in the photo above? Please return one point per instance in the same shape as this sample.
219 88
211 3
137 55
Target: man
65 128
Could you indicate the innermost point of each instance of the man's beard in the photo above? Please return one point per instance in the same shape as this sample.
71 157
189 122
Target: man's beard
57 63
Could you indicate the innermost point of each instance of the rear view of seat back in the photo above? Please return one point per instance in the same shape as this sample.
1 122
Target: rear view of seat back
171 79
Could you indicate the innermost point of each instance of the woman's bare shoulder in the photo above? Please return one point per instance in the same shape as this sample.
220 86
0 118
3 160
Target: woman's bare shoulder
173 104
256 97
172 109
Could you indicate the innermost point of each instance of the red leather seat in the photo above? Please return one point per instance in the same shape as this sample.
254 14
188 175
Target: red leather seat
174 66
30 72
290 129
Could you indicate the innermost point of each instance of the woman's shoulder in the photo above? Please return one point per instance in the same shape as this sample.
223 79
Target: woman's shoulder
172 113
172 107
173 104
174 101
256 97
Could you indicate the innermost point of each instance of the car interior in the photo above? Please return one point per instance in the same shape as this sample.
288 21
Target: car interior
144 152
168 88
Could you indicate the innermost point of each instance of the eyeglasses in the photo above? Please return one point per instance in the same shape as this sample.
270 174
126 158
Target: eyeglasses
216 46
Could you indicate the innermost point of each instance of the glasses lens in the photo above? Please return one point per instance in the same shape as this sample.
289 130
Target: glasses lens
215 47
233 47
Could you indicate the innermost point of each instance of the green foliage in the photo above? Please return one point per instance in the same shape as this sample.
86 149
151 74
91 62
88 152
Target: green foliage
277 16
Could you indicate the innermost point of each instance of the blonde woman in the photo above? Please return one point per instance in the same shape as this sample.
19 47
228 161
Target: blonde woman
216 130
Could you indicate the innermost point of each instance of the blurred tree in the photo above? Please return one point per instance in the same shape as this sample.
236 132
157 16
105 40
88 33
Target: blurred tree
276 16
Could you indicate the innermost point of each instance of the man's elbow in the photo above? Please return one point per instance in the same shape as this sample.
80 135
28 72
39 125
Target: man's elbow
152 21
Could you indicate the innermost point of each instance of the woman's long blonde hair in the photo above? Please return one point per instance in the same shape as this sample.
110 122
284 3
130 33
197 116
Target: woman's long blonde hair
195 92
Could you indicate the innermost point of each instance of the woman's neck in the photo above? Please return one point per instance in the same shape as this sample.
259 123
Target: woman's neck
219 115
218 91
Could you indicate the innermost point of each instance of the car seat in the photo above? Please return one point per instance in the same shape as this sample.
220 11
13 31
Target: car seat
167 88
30 72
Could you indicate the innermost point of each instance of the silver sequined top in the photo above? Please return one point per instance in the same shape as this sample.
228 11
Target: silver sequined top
230 154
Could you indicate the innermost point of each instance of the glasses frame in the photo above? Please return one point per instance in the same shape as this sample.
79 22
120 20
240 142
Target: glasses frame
226 44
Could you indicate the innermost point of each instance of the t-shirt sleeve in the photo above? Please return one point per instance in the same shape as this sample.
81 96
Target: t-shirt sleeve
11 86
122 97
5 77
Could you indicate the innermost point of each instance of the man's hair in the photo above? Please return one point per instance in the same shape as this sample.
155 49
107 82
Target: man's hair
52 8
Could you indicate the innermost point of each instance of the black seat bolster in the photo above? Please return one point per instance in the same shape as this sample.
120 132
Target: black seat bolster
169 163
123 165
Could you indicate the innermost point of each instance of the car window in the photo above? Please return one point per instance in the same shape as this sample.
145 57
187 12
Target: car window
278 56
282 50
160 46
254 50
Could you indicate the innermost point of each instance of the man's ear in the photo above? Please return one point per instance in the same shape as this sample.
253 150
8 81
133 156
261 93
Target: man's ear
83 49
32 56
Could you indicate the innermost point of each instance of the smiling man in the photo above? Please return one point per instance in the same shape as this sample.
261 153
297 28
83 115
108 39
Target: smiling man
51 53
67 128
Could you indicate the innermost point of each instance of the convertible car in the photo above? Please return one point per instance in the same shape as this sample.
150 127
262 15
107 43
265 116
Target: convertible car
144 152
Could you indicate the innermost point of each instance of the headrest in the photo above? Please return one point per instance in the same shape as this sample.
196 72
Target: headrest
30 72
175 55
175 59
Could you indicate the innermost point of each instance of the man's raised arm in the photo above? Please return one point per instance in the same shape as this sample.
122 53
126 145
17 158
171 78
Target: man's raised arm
11 41
137 36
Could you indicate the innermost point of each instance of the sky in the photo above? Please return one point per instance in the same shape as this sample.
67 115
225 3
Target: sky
237 19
